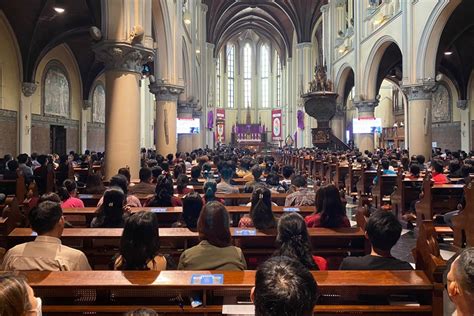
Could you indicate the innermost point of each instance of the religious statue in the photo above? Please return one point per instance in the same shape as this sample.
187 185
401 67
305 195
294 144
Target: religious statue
320 81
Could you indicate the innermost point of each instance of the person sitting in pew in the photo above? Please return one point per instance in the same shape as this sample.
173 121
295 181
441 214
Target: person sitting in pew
164 193
120 181
302 196
287 172
192 206
144 186
10 172
260 215
41 173
385 170
182 185
195 174
284 287
383 230
330 211
17 298
437 174
460 284
210 189
257 172
125 171
45 253
225 186
293 239
113 212
27 171
140 245
94 184
68 195
215 251
273 183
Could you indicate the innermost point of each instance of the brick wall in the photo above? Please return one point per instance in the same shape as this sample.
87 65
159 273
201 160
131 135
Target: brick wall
447 135
96 137
72 139
8 130
40 142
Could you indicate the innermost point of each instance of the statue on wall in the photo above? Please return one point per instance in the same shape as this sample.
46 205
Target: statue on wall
320 81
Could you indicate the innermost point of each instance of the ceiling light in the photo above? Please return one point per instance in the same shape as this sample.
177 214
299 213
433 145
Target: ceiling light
448 53
58 6
198 51
59 10
187 18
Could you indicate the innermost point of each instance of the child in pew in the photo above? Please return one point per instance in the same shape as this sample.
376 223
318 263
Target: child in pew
17 298
330 211
293 239
260 215
113 212
215 251
140 245
383 230
68 195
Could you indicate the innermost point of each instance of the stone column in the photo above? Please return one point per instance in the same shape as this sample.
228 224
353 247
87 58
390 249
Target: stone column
166 113
123 66
466 128
365 109
419 117
24 118
86 105
338 125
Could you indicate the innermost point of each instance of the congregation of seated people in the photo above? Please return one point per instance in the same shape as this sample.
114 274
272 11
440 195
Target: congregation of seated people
283 285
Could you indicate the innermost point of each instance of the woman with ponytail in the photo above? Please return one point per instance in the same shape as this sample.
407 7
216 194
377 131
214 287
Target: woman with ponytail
164 193
113 212
293 239
68 195
210 189
261 214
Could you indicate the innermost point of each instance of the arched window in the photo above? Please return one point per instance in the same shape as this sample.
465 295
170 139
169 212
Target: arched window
247 75
265 73
98 103
56 90
230 75
278 81
218 80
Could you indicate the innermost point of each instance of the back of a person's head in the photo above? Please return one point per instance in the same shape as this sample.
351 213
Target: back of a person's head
125 172
261 208
299 181
145 174
12 165
42 159
195 172
140 240
112 206
182 182
437 165
210 188
293 240
256 171
142 312
383 230
385 164
45 216
466 170
22 158
415 169
420 159
213 224
14 297
465 272
119 180
329 205
226 172
192 206
287 171
284 287
164 187
51 196
68 187
272 179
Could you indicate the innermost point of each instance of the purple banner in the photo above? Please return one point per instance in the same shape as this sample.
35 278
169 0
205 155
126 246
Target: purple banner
210 119
300 117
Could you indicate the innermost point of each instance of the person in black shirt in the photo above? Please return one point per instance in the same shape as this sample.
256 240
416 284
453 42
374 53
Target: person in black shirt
383 230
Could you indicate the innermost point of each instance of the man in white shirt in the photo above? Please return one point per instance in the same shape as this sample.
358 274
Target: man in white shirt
45 253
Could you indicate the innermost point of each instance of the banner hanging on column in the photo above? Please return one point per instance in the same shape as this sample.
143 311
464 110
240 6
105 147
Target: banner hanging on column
220 126
276 124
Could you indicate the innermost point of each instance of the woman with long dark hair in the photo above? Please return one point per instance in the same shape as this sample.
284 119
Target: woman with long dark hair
113 212
140 245
261 214
330 211
210 189
164 193
293 239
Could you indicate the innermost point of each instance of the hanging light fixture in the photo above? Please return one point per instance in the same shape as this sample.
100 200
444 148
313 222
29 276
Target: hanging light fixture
58 6
187 17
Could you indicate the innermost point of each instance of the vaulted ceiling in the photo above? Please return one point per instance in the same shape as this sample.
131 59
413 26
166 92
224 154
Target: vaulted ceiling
276 20
39 28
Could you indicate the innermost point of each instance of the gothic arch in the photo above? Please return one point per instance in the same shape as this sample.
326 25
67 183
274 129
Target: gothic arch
162 28
14 43
342 79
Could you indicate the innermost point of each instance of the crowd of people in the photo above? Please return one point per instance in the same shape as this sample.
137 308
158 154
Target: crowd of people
283 285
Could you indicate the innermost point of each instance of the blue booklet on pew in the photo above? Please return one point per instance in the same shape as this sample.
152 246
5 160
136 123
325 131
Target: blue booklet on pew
245 232
207 279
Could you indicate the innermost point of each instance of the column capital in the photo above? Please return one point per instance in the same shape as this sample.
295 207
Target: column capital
420 91
165 91
366 107
86 104
28 88
462 104
122 56
340 110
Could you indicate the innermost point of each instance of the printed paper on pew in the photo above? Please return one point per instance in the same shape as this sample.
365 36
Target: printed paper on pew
233 310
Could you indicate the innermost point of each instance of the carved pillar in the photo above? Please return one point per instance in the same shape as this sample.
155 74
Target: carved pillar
338 125
123 66
166 112
86 105
24 117
365 110
466 142
419 117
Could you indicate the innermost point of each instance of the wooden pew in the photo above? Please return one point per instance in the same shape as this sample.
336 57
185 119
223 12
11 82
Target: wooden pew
340 177
365 182
463 223
91 200
101 244
244 198
406 192
353 175
15 187
384 187
115 292
82 217
10 218
437 199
